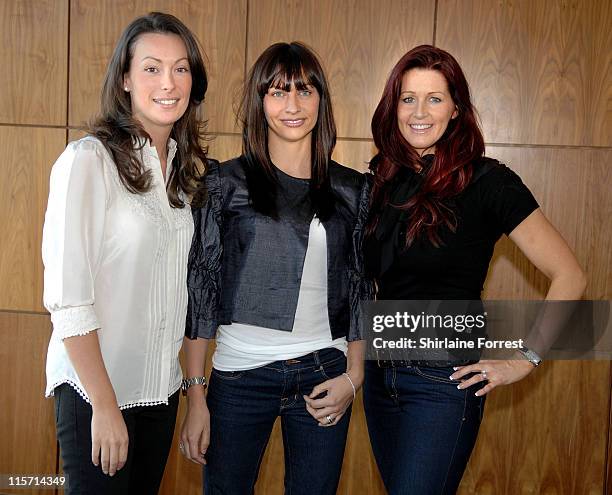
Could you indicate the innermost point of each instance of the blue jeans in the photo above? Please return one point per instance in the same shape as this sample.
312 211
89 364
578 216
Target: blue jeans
243 407
422 428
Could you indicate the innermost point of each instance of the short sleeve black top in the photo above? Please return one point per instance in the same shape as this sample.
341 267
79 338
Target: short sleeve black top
493 204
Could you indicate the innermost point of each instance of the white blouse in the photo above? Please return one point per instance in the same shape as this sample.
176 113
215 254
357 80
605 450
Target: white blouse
116 262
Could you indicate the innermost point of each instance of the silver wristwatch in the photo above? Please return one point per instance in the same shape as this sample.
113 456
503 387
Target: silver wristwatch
190 382
531 356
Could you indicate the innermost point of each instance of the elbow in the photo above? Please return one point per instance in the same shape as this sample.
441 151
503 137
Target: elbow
581 281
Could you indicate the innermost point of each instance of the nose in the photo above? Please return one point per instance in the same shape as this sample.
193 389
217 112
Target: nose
420 112
167 82
293 104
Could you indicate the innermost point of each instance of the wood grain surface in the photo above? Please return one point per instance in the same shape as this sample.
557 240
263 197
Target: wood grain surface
34 37
220 25
358 42
572 188
540 72
29 154
27 421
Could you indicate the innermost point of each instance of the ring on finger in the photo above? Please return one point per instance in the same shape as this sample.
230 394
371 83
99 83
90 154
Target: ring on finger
181 446
329 419
484 375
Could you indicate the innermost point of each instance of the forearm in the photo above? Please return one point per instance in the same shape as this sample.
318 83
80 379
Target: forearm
86 357
195 362
354 361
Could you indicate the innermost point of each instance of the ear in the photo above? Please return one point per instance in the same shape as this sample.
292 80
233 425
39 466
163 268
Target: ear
455 113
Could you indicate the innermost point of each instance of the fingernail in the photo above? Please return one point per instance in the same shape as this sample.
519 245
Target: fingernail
451 377
477 394
460 386
455 368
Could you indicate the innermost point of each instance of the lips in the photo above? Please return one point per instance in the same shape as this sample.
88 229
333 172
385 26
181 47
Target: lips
166 102
293 122
420 128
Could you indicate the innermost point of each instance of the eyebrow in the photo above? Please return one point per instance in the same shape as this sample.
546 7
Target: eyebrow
160 61
430 93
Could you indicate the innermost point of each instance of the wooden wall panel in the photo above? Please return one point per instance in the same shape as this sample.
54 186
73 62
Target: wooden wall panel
28 155
27 421
224 147
34 36
358 42
96 26
572 187
540 72
545 434
354 154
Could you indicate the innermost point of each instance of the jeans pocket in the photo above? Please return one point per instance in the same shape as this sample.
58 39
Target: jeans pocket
440 375
334 368
228 375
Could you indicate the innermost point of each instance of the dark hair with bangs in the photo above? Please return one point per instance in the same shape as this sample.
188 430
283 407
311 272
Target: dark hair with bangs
115 126
457 151
280 66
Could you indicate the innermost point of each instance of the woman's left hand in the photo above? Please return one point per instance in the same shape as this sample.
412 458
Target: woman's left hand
334 404
493 372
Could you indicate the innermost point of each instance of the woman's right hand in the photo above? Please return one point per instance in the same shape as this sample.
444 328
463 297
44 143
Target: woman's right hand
195 431
109 438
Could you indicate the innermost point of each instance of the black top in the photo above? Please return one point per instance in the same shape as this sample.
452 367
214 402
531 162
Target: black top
494 203
247 267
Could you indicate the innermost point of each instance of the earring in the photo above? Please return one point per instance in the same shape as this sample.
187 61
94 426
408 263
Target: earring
127 89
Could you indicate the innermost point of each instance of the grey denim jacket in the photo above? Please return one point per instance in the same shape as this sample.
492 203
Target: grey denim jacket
246 267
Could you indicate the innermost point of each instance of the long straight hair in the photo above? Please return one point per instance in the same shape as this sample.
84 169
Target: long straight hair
116 127
280 66
457 150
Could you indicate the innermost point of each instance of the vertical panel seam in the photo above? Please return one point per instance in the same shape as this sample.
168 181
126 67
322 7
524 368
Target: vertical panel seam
435 22
68 72
246 42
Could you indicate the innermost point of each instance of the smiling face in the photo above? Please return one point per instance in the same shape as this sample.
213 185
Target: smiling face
291 115
425 108
159 81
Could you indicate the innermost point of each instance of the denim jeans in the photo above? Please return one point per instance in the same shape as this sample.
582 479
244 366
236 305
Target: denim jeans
150 430
243 407
422 428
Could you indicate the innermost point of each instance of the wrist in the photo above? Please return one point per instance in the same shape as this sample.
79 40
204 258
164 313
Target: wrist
356 375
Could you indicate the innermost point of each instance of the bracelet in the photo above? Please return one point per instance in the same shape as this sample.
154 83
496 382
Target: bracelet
352 384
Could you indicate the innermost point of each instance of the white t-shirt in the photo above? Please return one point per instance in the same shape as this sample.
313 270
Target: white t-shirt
243 347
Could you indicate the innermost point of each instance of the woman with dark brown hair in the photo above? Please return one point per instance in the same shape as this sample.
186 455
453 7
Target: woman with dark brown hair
438 208
275 276
116 238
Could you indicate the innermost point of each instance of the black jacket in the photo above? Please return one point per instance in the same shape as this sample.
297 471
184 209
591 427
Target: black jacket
246 267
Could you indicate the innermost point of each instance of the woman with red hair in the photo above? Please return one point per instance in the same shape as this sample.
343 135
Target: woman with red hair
438 208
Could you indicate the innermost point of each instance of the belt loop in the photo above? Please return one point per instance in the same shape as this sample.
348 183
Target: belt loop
317 359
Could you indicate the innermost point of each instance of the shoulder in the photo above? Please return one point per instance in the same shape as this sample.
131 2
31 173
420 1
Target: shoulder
493 175
86 156
342 176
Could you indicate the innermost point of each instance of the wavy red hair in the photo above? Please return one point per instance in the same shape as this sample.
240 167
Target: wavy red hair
457 150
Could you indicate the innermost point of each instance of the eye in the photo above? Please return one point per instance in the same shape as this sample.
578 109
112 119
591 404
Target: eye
182 70
151 70
408 99
305 92
277 93
435 99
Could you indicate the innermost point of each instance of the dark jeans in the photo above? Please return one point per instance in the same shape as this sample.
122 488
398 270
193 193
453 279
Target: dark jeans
422 428
150 430
243 407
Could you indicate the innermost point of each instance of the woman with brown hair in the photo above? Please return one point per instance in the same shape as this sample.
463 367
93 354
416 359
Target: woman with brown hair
116 239
438 208
275 276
